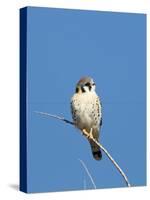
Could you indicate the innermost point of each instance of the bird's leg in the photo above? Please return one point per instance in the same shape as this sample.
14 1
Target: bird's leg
85 133
88 135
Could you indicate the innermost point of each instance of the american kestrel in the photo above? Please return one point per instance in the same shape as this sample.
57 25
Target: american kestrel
87 111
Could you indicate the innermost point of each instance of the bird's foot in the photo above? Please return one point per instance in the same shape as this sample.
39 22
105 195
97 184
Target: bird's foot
88 135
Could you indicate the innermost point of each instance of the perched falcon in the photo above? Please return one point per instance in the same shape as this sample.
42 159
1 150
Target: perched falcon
86 111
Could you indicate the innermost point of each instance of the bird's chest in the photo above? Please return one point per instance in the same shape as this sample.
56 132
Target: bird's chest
86 111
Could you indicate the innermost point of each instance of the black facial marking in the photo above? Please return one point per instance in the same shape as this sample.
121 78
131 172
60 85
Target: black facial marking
83 90
88 85
77 89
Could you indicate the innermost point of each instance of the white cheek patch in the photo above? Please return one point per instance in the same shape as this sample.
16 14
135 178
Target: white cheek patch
86 88
93 88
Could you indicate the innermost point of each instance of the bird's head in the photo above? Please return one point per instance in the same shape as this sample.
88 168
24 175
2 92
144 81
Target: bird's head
85 84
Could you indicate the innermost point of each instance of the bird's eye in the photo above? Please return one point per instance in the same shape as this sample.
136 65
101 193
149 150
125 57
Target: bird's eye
93 84
87 84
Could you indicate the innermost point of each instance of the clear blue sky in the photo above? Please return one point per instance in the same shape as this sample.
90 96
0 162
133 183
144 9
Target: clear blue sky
64 45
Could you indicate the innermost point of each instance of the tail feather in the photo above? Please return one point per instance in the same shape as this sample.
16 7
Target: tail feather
96 151
97 155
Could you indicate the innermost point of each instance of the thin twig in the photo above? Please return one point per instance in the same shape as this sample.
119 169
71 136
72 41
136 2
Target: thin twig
86 134
110 157
55 116
88 173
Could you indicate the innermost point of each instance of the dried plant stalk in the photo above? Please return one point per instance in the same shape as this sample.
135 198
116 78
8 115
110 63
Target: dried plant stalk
88 135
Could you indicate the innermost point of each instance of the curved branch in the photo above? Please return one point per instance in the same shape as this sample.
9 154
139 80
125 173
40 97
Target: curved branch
109 156
55 116
88 135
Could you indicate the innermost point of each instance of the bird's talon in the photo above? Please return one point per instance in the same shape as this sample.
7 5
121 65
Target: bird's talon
85 133
90 134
